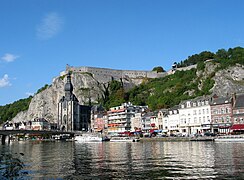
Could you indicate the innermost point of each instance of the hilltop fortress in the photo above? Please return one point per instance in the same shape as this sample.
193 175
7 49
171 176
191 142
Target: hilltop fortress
105 74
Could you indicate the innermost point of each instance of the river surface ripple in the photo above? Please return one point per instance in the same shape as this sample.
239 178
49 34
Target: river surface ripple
141 160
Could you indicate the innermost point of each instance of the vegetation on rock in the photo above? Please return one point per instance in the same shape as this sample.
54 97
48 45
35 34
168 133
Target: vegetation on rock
158 69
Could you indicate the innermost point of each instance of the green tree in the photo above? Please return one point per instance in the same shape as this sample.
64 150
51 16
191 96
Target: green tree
158 69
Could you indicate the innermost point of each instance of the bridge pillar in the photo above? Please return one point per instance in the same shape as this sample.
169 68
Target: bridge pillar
3 139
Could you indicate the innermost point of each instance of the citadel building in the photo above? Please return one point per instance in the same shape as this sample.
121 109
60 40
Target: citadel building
71 115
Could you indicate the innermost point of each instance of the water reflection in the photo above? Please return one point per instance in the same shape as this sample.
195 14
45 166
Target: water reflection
148 160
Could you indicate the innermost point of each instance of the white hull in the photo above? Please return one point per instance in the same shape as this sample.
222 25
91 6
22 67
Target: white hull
87 138
123 139
231 138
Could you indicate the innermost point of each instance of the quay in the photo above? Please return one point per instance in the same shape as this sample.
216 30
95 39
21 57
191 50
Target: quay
177 139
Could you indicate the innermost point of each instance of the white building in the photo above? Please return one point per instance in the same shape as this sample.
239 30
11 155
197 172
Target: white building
136 122
195 116
171 121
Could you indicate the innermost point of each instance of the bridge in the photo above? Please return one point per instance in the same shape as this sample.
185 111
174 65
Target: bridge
7 133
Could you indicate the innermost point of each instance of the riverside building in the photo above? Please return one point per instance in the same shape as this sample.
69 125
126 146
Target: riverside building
221 113
120 117
195 116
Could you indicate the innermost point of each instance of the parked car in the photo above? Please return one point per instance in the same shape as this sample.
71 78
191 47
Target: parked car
209 134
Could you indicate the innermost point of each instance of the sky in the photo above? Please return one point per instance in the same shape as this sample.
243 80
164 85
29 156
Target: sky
38 38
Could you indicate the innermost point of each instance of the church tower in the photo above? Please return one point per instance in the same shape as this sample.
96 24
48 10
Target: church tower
68 109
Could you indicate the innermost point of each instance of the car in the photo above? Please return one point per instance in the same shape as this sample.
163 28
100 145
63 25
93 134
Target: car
209 134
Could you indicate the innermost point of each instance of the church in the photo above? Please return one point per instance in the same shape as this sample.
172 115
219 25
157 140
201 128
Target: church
71 115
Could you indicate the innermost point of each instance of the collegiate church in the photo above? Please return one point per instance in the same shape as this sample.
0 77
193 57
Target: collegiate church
71 115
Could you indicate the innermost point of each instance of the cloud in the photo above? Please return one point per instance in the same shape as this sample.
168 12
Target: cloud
9 57
29 94
4 81
50 26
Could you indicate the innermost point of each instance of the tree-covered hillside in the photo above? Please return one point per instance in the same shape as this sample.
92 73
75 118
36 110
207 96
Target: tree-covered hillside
161 92
224 57
170 90
9 111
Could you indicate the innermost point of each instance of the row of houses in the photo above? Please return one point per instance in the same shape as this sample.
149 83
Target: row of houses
35 124
196 116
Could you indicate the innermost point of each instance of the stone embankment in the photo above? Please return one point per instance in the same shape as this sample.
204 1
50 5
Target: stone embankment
177 139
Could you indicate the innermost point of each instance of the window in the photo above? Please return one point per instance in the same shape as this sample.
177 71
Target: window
222 111
208 118
199 111
194 112
207 111
203 111
227 110
188 104
216 119
195 119
189 113
228 118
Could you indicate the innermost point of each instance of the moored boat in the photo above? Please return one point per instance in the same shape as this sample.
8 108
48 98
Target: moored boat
87 138
230 138
124 139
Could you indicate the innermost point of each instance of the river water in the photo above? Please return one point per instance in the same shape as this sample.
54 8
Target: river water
116 160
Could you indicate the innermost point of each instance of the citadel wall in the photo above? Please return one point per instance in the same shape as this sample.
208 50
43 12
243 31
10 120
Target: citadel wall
106 74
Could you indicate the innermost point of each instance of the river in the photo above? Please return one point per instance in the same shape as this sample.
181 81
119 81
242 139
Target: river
116 160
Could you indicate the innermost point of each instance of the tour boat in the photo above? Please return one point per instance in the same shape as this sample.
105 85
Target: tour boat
87 138
124 139
230 138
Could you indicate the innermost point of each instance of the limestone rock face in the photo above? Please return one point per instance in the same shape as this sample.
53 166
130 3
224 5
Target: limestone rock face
86 88
229 81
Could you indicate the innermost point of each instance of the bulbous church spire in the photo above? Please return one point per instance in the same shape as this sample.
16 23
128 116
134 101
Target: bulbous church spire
68 86
68 89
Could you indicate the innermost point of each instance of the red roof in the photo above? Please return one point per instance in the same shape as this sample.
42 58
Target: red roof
237 127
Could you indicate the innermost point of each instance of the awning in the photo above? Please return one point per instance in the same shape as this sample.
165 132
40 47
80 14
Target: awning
237 127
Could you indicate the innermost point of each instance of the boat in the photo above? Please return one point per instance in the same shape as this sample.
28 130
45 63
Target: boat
105 138
87 138
124 139
230 138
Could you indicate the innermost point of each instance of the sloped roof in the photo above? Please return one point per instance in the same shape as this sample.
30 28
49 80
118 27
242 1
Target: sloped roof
239 101
221 100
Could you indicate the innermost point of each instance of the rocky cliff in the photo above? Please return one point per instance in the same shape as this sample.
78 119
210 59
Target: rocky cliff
87 87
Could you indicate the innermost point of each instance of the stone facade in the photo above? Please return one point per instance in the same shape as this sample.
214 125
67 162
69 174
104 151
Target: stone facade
71 115
106 74
221 113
